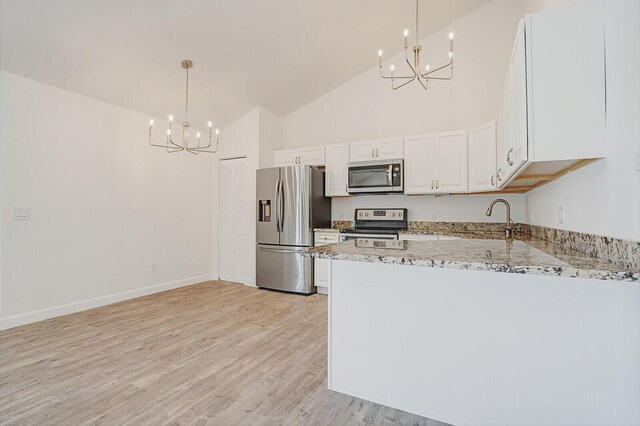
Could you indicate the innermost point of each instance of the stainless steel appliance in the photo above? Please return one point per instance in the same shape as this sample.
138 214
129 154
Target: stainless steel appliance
291 203
376 223
385 176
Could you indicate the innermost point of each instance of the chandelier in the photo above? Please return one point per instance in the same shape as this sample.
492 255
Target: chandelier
416 68
170 145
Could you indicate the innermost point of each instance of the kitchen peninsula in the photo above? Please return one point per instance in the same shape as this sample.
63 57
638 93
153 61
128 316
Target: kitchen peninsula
485 331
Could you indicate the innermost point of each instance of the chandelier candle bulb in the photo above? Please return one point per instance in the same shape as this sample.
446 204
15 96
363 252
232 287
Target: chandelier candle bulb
170 117
210 124
150 123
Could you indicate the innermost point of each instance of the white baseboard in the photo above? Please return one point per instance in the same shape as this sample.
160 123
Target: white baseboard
83 305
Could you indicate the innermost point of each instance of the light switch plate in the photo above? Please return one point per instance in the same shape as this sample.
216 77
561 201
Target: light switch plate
561 215
21 213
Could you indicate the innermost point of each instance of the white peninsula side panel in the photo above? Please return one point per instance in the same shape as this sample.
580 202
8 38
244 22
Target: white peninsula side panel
472 348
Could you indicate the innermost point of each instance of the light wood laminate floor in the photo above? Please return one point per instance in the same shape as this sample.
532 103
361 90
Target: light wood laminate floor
212 353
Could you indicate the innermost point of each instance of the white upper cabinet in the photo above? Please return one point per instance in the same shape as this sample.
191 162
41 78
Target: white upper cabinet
482 157
285 157
553 105
379 149
436 163
451 162
335 172
312 156
419 164
389 149
512 150
362 151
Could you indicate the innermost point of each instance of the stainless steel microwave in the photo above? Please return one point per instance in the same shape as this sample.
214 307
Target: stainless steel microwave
383 176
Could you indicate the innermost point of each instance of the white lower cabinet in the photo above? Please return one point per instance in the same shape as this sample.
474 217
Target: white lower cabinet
322 267
335 172
482 157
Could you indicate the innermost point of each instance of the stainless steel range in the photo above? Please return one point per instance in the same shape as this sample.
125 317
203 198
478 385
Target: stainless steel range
376 223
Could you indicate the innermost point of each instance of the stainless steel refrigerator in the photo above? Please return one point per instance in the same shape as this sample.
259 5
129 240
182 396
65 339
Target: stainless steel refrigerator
290 202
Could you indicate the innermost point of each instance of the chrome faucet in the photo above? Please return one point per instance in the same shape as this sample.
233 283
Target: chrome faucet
509 228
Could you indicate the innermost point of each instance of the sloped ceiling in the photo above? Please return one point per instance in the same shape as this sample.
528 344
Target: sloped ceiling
280 54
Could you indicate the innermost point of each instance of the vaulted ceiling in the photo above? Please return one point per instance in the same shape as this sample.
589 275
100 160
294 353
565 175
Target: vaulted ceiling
280 54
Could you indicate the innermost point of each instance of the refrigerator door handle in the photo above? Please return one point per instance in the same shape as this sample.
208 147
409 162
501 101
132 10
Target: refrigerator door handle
277 203
281 249
281 215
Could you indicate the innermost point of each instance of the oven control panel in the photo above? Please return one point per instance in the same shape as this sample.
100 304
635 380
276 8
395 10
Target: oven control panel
381 214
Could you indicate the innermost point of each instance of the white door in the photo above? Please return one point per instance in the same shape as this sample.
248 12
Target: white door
234 221
482 157
451 162
389 149
285 157
336 170
419 164
361 151
313 156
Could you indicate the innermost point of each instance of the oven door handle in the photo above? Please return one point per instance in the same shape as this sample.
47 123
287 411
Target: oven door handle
390 174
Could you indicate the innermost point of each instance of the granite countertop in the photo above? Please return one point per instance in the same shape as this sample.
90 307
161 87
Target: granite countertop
485 251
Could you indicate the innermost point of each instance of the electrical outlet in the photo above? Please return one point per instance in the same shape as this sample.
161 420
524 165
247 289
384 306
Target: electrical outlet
154 267
561 215
21 213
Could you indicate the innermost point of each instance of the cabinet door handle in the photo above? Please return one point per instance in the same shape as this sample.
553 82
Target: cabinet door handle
431 183
372 152
493 180
498 175
376 152
437 184
509 160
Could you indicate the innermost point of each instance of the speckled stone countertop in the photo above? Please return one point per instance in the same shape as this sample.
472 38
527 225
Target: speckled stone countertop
334 230
486 251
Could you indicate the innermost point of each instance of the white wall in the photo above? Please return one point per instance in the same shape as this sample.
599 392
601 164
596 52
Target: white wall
604 198
447 208
366 107
251 136
104 205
